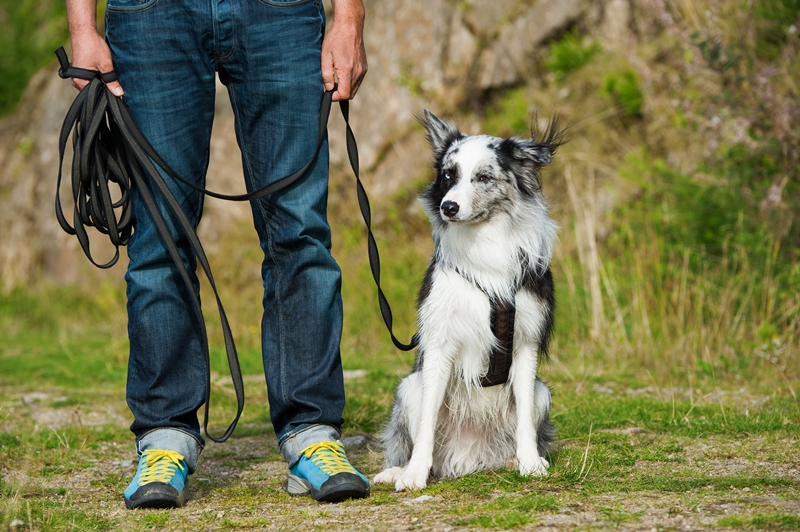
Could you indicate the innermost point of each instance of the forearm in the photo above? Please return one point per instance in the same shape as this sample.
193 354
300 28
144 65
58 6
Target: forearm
343 54
81 17
89 48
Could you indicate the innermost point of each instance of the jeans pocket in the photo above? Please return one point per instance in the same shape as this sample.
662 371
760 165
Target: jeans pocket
285 3
129 5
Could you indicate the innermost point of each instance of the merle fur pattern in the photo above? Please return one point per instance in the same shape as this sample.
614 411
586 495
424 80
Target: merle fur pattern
492 239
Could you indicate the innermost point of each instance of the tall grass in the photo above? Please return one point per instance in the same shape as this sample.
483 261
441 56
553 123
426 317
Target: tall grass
678 199
663 295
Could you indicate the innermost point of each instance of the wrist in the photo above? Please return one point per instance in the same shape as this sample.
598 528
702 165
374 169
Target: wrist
83 30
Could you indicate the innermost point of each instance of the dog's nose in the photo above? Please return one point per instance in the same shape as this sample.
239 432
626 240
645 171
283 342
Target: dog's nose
449 208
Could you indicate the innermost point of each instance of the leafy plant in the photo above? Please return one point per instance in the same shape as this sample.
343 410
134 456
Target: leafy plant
570 54
625 88
774 21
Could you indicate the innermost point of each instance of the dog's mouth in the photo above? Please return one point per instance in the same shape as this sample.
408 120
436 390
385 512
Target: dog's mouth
451 219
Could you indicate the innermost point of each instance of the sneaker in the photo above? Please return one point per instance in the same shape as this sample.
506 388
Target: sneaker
324 472
160 481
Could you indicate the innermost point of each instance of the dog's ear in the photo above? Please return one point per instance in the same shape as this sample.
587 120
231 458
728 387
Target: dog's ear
441 133
542 150
526 157
523 158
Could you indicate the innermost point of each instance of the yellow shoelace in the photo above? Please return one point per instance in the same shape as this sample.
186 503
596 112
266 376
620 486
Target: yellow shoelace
159 466
329 457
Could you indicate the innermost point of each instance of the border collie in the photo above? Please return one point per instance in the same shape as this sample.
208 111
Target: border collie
487 300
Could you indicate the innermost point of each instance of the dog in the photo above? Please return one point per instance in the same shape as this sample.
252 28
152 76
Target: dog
458 413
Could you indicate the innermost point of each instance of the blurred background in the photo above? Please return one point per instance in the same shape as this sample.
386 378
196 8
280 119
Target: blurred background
677 195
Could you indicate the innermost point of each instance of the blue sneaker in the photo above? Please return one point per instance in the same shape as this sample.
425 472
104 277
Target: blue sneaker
324 472
160 481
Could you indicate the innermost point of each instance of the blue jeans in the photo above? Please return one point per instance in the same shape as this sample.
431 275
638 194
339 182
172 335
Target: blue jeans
267 53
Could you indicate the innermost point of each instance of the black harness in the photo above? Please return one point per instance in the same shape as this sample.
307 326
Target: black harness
501 319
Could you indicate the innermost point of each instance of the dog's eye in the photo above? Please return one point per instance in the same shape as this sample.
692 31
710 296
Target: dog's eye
447 175
484 178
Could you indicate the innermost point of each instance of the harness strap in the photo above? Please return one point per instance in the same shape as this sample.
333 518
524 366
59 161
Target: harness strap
501 320
500 358
109 148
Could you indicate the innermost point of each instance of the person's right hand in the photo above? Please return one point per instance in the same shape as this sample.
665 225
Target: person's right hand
90 51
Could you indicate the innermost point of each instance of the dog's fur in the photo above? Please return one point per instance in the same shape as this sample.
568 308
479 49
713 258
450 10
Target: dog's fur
493 239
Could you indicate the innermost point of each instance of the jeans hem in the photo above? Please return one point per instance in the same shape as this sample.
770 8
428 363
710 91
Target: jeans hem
173 439
292 446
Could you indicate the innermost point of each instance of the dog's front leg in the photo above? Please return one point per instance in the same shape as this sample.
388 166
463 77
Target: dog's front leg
524 384
436 373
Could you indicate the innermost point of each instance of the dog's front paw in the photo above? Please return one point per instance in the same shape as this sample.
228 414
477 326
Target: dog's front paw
389 476
412 479
534 466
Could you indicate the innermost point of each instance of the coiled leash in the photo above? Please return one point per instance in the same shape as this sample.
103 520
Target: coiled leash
110 149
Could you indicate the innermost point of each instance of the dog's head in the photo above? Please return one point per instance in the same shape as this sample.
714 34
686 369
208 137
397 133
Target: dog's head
478 176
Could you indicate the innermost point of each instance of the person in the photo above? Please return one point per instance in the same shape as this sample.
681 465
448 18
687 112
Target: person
276 59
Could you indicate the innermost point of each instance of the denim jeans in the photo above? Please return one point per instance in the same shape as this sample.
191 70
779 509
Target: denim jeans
267 53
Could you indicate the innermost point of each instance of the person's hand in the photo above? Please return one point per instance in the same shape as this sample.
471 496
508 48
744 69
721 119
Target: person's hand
344 59
90 51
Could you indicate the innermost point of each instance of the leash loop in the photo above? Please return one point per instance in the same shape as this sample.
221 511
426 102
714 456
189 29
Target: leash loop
109 149
67 71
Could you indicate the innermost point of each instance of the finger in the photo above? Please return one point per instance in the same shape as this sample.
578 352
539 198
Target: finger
79 83
328 72
343 91
357 79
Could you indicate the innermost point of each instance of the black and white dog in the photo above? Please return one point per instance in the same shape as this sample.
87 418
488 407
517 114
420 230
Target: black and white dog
487 299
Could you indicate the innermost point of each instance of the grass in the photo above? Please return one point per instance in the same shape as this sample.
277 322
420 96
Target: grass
765 521
639 443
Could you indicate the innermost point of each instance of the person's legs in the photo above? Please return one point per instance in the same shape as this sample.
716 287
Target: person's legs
271 66
164 58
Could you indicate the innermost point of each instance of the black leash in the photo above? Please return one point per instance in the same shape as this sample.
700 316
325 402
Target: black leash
110 149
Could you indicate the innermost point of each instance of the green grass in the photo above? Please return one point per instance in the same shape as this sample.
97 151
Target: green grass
764 521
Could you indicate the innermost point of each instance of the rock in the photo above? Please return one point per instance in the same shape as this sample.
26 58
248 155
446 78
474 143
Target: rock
436 54
421 499
357 442
350 374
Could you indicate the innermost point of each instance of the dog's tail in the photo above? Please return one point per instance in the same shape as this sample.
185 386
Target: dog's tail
546 441
545 432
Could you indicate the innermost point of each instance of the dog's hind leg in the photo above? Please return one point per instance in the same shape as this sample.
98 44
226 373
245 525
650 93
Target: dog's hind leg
532 398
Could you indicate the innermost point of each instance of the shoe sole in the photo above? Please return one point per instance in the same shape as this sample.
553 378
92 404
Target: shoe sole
157 495
336 489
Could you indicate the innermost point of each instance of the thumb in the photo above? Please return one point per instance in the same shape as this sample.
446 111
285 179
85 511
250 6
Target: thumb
115 88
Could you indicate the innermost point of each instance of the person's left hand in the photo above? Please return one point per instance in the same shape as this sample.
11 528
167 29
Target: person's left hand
344 59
